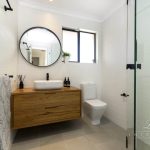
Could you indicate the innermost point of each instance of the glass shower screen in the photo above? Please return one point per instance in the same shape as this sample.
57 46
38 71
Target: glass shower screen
143 75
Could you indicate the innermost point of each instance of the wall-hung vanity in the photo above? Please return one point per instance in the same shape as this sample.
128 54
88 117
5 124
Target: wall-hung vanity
31 107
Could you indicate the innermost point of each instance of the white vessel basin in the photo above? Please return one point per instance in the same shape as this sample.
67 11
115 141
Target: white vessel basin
50 84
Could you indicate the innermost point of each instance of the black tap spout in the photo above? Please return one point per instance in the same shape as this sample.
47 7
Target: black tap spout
47 76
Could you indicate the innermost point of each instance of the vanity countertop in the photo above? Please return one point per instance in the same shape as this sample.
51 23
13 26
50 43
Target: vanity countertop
33 91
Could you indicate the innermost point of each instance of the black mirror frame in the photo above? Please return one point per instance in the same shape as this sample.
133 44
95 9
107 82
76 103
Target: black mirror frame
48 31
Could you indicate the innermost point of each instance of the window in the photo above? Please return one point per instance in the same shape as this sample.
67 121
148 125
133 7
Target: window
70 44
80 44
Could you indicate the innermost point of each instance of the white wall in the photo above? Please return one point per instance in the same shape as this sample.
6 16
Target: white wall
8 40
29 17
114 41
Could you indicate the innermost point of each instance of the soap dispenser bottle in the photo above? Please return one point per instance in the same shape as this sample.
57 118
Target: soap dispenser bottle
68 82
65 82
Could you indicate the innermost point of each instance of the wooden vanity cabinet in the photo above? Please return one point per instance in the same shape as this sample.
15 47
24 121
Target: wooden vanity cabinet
32 108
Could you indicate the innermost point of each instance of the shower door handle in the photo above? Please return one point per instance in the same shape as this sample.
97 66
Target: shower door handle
124 95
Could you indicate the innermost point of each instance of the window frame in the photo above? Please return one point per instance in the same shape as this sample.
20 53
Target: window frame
78 43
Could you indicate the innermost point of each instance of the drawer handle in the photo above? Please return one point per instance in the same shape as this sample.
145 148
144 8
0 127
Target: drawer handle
49 93
51 107
45 114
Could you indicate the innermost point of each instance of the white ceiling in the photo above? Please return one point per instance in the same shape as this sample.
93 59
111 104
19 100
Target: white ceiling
97 10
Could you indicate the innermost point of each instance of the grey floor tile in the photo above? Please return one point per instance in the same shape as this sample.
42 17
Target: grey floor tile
71 135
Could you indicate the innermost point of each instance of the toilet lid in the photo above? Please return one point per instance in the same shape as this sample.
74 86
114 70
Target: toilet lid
96 103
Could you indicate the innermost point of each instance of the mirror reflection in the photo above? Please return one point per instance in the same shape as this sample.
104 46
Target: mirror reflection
40 46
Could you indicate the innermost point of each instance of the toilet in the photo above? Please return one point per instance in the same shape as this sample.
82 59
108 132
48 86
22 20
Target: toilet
93 108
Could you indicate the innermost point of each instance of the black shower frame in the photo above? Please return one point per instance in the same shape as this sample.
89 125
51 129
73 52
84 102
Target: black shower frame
135 71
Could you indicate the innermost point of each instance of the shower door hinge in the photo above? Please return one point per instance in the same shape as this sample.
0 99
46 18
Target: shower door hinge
139 66
132 66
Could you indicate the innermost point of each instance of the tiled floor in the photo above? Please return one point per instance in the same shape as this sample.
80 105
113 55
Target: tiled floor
142 146
72 135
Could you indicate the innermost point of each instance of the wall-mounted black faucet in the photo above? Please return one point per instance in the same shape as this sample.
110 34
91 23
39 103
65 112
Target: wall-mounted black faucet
47 76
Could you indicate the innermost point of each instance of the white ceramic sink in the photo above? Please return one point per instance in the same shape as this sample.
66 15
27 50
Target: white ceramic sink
50 84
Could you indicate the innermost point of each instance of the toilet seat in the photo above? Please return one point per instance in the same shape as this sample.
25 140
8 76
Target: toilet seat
96 103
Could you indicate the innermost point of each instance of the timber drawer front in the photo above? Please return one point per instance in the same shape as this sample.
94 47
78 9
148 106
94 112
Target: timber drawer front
31 108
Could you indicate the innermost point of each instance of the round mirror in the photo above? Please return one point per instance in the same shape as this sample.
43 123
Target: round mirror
40 46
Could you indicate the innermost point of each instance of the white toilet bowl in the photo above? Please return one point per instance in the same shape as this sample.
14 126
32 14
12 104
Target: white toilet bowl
93 108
